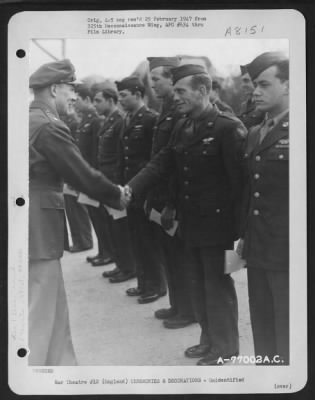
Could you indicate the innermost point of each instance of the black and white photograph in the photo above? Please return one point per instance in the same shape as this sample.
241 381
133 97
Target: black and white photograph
164 171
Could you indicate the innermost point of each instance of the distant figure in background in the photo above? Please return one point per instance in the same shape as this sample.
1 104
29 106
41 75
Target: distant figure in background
87 133
248 114
216 100
78 218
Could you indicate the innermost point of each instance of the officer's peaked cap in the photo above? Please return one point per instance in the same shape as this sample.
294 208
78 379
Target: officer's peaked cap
264 61
187 70
61 71
155 62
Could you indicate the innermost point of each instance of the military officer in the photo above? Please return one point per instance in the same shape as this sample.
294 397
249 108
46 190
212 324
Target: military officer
180 314
109 163
53 156
248 114
266 223
87 133
205 153
136 145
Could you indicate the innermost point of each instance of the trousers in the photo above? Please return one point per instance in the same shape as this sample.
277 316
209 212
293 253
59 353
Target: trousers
149 264
268 293
213 296
50 340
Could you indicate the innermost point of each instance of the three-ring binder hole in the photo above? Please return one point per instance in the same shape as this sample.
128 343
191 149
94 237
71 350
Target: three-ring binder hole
20 201
22 352
20 53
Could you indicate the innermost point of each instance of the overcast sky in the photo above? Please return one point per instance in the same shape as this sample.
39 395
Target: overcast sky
117 58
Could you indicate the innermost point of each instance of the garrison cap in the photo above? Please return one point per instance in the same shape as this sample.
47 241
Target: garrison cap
155 62
187 70
243 69
61 71
110 92
264 61
130 83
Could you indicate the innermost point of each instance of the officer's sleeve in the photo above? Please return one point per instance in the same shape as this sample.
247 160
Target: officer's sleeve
232 149
56 145
159 168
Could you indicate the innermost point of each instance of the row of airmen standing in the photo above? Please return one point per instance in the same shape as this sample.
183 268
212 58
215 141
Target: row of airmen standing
195 176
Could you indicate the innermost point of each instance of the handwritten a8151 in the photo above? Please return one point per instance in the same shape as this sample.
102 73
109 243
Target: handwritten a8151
244 30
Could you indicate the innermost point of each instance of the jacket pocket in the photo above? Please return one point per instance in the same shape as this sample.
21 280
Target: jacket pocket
278 155
54 200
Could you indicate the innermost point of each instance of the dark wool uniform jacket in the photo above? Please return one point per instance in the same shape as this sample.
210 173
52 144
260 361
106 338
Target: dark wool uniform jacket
137 145
87 133
54 157
266 203
164 193
209 177
109 147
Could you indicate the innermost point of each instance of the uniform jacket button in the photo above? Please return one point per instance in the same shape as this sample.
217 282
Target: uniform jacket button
258 158
256 176
256 194
218 210
281 156
186 197
256 212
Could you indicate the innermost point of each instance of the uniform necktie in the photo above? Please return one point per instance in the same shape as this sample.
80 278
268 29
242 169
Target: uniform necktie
128 119
189 128
268 125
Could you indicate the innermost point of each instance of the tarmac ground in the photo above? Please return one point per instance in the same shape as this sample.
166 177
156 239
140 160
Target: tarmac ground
110 328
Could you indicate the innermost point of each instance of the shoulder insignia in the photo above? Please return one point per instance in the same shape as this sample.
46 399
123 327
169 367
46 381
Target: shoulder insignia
207 140
284 141
241 131
51 115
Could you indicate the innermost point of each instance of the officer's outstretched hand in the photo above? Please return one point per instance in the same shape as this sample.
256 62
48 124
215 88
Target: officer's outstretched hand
167 217
125 196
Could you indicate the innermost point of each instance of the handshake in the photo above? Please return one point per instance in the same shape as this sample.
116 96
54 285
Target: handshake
125 196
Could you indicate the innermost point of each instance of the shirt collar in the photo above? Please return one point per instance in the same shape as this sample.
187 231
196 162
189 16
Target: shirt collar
277 118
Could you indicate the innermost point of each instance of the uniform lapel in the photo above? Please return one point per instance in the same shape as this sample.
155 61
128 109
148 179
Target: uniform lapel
134 119
203 125
277 132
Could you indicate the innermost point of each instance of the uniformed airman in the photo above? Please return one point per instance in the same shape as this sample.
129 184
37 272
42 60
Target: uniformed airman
88 139
205 152
161 199
109 163
266 221
136 147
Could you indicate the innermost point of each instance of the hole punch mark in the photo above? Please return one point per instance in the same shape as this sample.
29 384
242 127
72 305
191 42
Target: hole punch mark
22 352
20 201
20 53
